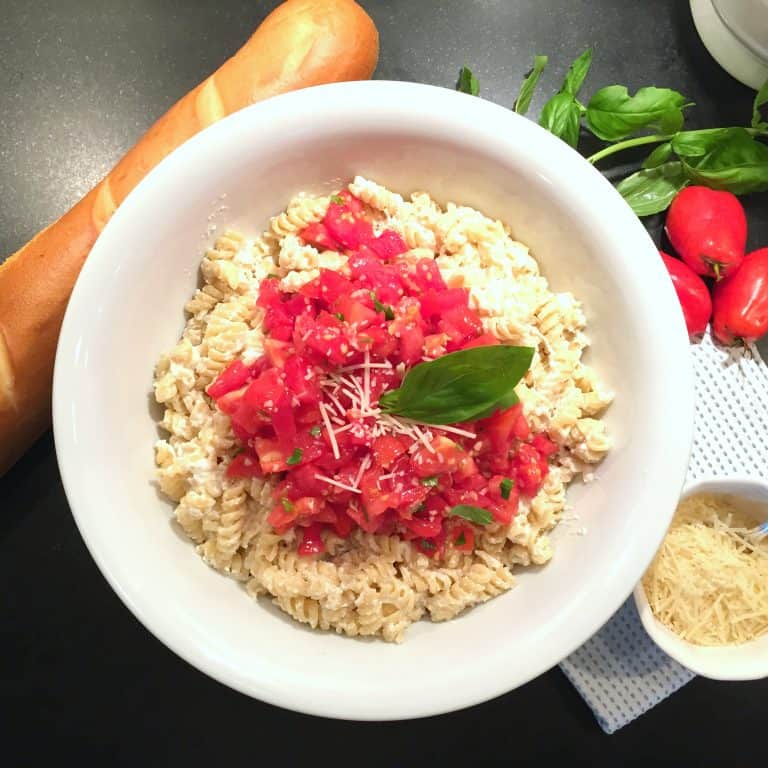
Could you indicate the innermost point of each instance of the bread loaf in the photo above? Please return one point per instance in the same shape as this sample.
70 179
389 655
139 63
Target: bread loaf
301 43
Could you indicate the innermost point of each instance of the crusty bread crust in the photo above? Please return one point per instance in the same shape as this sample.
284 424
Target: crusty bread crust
301 43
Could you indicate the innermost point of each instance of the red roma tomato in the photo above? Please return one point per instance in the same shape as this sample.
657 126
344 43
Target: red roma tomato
708 229
692 294
741 302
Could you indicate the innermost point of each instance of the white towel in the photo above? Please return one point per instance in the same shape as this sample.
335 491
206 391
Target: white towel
620 672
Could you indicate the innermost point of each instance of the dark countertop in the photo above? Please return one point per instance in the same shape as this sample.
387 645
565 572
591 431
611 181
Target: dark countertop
82 679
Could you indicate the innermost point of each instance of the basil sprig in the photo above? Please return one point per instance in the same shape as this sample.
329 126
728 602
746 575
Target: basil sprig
651 190
561 115
476 515
761 98
732 158
467 82
523 100
612 114
460 386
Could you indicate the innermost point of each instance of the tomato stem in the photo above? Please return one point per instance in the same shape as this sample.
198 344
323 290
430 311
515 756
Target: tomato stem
627 144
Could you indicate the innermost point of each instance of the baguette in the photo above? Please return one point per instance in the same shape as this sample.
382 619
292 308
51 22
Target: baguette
301 43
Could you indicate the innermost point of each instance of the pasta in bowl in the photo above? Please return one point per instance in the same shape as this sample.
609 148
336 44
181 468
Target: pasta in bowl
289 472
594 266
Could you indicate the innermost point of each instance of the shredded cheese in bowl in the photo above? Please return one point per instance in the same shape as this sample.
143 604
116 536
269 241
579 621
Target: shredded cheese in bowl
709 580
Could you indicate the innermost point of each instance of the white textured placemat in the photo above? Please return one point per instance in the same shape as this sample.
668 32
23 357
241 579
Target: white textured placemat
620 672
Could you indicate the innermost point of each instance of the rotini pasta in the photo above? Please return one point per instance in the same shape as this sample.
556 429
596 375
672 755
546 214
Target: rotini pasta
370 584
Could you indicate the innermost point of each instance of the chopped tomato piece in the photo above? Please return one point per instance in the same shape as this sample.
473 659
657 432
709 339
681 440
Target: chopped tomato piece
388 448
411 344
232 377
530 470
387 245
425 276
311 541
483 340
500 428
317 234
245 464
348 227
266 392
355 312
271 455
277 351
444 457
544 446
463 538
435 302
301 380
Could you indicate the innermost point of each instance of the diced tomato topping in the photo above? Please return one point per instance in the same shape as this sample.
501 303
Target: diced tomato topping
245 464
544 445
530 469
317 234
302 412
388 448
277 351
355 312
483 340
387 245
232 377
271 455
444 456
463 538
435 302
348 227
311 541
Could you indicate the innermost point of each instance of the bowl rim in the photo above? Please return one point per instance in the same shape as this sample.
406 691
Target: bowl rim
672 352
703 660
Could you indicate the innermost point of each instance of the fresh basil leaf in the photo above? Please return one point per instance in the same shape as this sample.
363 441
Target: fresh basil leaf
295 457
612 114
473 514
577 74
338 199
467 82
506 486
460 386
523 100
287 504
689 144
316 431
660 155
734 161
671 122
461 539
561 115
652 190
761 98
430 482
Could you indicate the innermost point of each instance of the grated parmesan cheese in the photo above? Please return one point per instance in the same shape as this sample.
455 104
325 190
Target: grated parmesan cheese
709 580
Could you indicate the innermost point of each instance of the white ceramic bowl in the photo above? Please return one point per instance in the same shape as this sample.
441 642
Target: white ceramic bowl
127 308
748 661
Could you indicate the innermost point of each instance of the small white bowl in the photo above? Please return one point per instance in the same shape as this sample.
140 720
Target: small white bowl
747 661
